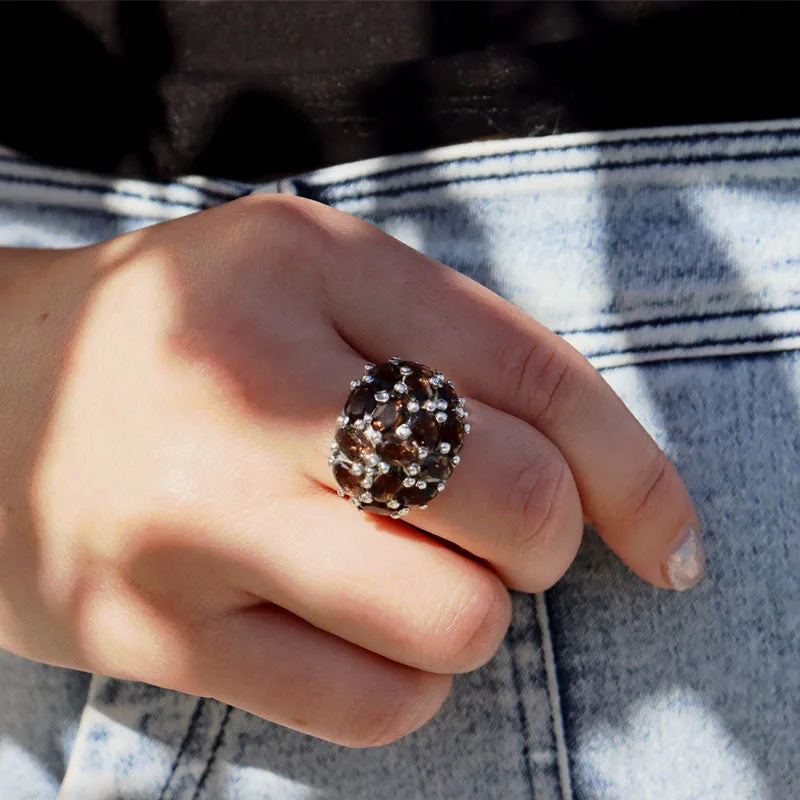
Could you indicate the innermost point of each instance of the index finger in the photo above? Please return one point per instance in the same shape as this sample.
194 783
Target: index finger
385 298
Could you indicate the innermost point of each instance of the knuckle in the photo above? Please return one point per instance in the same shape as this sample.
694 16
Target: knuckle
651 493
536 503
545 384
274 217
470 625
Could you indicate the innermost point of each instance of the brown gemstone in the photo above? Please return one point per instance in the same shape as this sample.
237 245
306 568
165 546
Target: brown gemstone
436 468
447 393
423 429
418 368
417 386
349 482
396 451
352 443
388 415
415 496
384 376
452 432
360 401
386 486
379 508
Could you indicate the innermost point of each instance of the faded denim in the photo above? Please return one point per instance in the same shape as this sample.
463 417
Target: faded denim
671 258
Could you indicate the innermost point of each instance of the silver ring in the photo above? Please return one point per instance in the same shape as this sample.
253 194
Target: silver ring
398 437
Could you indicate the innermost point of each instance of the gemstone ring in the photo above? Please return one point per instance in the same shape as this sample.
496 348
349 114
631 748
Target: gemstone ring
398 437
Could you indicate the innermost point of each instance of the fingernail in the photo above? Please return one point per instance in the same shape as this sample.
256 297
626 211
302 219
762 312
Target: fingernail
686 562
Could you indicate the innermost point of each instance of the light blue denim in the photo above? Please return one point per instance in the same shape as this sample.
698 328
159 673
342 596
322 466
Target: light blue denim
671 258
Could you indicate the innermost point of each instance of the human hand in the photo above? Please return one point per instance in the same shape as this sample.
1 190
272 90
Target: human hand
167 513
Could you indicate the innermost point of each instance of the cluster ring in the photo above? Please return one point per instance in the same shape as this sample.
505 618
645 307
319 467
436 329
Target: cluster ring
398 437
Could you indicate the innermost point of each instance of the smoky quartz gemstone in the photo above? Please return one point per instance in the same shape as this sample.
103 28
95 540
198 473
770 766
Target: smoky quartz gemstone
414 496
387 486
388 415
352 443
436 468
349 482
452 432
361 401
395 452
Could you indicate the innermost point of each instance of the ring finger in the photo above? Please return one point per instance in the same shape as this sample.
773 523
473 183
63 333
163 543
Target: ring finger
511 501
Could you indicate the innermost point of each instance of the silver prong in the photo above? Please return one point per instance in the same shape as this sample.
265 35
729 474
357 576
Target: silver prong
422 485
467 427
341 420
440 416
405 370
409 482
440 487
403 431
423 452
454 461
355 384
444 447
382 397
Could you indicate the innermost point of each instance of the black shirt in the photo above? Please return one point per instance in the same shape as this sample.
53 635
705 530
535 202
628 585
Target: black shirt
252 90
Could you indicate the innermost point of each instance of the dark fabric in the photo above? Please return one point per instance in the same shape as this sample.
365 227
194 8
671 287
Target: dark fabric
252 90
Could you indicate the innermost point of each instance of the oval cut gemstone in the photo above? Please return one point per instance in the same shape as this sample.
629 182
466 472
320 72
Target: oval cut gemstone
360 401
424 430
396 451
447 393
388 415
349 482
352 443
386 486
452 432
417 368
417 386
436 468
379 508
385 376
414 496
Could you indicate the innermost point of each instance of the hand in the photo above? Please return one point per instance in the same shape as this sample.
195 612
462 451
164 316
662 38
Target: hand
167 513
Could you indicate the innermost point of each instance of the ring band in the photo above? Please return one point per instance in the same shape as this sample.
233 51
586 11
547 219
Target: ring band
398 437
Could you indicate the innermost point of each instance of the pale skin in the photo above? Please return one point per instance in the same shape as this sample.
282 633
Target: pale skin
167 513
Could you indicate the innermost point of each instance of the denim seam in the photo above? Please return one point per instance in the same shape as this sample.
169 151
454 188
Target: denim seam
577 148
106 192
213 754
522 718
183 745
663 322
784 155
100 183
562 756
696 345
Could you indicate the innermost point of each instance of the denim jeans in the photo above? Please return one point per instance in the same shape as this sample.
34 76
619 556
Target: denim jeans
671 259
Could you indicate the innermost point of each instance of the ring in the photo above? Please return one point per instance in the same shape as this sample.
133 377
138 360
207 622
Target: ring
397 438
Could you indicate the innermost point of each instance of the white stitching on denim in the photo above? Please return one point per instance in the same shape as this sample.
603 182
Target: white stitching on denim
555 700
